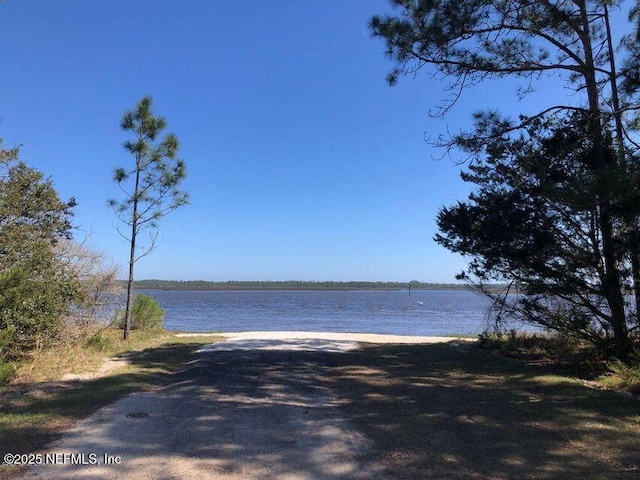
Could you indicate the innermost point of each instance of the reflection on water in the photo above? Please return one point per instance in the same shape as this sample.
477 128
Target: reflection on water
424 312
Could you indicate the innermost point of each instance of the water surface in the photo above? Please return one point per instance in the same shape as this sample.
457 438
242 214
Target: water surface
423 312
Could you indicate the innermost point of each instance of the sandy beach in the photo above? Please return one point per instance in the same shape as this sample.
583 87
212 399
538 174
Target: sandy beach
312 341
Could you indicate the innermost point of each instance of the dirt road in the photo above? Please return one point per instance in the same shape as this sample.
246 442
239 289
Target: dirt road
253 407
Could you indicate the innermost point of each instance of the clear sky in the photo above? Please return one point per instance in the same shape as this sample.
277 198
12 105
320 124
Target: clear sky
303 164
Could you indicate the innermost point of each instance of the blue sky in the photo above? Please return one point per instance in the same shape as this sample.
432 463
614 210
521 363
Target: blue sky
302 162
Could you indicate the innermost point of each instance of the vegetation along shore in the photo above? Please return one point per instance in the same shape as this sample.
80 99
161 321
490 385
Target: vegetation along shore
292 285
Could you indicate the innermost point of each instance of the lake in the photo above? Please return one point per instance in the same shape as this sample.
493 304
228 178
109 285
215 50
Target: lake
423 312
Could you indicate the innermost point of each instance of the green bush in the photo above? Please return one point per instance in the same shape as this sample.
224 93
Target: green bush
7 372
99 342
35 295
146 314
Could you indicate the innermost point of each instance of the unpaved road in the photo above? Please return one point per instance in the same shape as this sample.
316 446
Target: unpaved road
252 407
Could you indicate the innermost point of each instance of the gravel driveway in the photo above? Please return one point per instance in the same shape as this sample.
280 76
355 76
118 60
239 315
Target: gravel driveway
252 407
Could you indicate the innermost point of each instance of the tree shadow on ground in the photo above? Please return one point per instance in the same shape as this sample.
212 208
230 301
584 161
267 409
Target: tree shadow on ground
247 414
428 411
446 411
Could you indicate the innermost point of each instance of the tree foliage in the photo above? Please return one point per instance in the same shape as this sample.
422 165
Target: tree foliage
534 219
556 207
150 186
35 291
30 210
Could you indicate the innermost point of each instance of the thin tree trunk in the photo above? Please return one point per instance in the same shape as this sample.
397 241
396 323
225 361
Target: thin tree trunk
635 272
634 245
611 282
132 253
613 288
615 99
127 311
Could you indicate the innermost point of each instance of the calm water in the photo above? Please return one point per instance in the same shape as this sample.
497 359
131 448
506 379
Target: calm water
424 312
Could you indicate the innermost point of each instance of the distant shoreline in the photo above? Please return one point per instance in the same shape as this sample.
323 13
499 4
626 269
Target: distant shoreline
292 289
294 285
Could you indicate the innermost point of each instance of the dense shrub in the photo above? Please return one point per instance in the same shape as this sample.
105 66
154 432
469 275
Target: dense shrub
34 297
35 290
146 314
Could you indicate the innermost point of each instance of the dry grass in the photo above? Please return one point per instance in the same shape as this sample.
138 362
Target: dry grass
37 406
86 353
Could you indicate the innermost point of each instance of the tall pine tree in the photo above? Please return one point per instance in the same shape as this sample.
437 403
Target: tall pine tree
150 186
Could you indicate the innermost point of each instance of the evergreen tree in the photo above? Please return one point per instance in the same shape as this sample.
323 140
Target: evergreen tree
35 291
150 186
470 41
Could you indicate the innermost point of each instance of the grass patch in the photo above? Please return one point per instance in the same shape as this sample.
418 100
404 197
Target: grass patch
623 376
37 406
557 353
7 372
473 336
568 356
86 353
450 412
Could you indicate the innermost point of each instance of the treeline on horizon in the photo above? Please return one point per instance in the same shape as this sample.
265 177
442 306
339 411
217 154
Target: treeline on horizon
292 285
